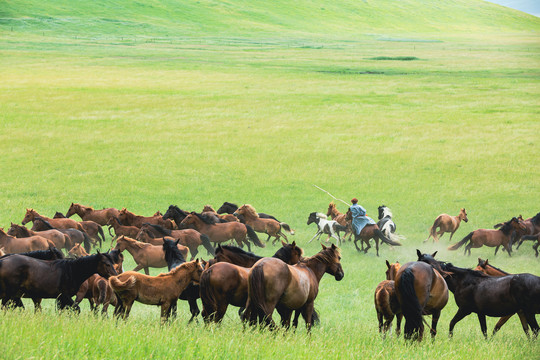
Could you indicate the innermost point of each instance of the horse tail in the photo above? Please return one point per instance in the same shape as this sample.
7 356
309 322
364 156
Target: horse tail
433 229
462 242
410 306
252 235
102 238
315 318
386 240
396 237
207 293
86 242
256 292
287 227
205 240
339 227
102 286
119 285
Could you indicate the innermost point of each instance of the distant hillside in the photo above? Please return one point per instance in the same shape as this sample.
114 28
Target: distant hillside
276 18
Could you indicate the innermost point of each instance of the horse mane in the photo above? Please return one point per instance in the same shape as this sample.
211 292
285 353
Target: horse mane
159 229
386 212
496 268
238 251
506 228
449 267
117 219
230 204
46 222
115 255
67 266
210 220
251 210
139 244
41 254
24 229
285 253
178 268
326 256
536 219
320 215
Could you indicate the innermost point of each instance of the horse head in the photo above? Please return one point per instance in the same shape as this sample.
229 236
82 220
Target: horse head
333 260
463 215
392 270
105 266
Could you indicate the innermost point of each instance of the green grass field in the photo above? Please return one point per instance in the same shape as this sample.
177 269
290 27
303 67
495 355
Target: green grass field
147 104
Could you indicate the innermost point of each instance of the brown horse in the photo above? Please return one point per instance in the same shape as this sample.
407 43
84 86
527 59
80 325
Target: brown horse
370 232
334 213
421 290
92 228
163 289
128 218
119 229
220 232
446 223
88 213
227 217
60 240
272 284
188 237
145 255
491 237
98 292
77 251
2 252
76 236
13 245
225 283
270 227
488 269
386 302
62 223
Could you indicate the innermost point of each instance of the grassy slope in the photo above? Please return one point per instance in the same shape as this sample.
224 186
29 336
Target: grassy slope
258 116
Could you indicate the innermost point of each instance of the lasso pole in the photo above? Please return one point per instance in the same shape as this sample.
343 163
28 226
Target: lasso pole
335 198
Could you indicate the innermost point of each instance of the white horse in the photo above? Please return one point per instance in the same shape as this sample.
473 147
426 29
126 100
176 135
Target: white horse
325 226
386 224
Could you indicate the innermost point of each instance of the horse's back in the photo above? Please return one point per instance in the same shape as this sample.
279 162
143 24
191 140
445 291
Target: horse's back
274 274
28 275
526 289
430 287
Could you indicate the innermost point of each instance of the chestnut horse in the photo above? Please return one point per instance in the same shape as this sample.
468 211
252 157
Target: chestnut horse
421 290
145 255
77 251
92 228
119 229
334 213
270 227
491 237
62 223
163 289
129 218
446 223
76 236
225 283
272 284
386 302
13 245
88 213
220 232
369 232
60 240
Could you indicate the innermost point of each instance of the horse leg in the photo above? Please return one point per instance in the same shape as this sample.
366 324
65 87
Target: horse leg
307 314
165 311
377 245
296 316
194 250
436 314
138 267
399 317
367 247
531 320
497 249
318 233
285 316
459 315
508 248
451 234
355 240
381 320
501 322
193 309
483 326
535 247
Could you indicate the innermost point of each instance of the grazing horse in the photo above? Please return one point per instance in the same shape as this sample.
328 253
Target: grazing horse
227 217
325 226
370 231
386 301
119 229
273 284
88 213
188 237
387 225
145 255
76 236
230 208
270 227
225 282
163 289
58 279
446 223
60 240
220 232
334 213
77 251
128 218
14 245
490 296
421 290
491 237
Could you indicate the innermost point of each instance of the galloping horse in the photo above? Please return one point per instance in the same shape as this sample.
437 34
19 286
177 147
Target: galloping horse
162 290
325 226
490 296
63 223
270 227
60 240
129 218
227 217
88 213
341 219
225 282
220 232
421 290
176 214
535 238
367 233
387 225
491 237
13 245
119 229
76 236
272 284
230 208
446 223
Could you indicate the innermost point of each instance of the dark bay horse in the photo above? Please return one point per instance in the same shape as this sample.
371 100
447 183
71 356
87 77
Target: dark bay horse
421 290
58 279
225 282
275 285
491 237
176 214
370 232
88 213
76 236
534 238
446 223
490 296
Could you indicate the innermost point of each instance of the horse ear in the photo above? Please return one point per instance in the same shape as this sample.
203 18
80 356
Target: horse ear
324 247
334 246
418 253
435 253
98 252
293 244
283 243
485 264
387 264
177 241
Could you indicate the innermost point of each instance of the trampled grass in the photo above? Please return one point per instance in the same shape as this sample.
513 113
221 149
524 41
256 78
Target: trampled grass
121 117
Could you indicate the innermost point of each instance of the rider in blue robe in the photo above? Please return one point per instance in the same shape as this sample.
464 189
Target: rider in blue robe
359 218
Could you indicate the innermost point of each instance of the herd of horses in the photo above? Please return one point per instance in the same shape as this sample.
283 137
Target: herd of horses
33 266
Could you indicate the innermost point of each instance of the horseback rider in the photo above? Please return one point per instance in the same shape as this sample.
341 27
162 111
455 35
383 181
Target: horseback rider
359 218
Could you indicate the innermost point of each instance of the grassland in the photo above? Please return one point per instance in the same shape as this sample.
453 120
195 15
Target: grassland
163 105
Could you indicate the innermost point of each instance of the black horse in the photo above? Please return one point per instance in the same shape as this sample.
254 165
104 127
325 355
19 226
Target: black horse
490 296
230 208
58 279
